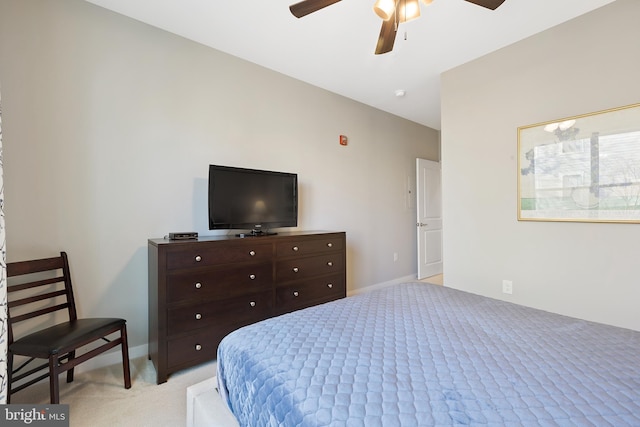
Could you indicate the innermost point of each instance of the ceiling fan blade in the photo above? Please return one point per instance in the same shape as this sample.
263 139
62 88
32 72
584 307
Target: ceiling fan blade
489 4
306 7
387 35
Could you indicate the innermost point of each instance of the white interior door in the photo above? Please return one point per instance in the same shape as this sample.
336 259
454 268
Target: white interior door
429 221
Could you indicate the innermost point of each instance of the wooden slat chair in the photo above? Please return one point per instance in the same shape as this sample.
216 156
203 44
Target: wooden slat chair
47 293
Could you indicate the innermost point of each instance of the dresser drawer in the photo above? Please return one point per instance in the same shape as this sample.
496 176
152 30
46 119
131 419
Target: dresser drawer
225 314
214 254
309 292
193 349
220 283
302 268
302 247
203 344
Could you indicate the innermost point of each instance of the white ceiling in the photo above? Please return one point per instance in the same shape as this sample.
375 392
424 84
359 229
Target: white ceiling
333 48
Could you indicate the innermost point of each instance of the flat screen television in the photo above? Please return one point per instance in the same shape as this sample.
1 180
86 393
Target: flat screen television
252 199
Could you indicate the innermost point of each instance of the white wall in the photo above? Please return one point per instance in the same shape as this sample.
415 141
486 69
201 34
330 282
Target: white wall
585 270
109 128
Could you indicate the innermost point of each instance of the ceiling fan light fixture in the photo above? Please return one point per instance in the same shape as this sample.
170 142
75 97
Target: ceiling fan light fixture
384 8
408 10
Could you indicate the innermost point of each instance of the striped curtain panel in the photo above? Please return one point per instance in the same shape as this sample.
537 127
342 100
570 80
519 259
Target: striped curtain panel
3 284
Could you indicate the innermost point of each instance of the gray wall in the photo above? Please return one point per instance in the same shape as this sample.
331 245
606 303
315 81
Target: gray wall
109 128
586 270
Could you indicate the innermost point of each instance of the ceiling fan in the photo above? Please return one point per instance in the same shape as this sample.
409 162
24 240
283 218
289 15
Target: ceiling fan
392 12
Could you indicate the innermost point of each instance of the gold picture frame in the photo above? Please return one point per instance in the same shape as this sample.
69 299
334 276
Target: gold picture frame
584 168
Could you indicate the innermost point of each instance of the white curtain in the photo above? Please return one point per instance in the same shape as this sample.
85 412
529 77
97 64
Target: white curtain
3 284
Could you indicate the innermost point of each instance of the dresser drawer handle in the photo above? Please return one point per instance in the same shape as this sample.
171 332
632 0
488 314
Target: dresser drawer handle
295 293
295 249
198 347
198 258
330 263
252 276
295 269
330 245
252 303
252 253
329 285
198 285
198 316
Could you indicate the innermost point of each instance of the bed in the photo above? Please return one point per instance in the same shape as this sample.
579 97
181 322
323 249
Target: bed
418 354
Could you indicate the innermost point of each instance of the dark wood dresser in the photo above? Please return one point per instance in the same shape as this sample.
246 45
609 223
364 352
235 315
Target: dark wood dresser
200 290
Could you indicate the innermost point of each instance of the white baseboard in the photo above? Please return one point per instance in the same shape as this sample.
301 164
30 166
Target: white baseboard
410 278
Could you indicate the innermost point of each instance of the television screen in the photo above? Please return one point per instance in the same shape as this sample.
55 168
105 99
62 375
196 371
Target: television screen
252 199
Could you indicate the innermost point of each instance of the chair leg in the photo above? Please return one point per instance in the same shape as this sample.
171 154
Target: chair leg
54 387
125 357
9 375
72 355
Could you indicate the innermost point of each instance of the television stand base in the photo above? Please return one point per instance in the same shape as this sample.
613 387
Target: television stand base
257 233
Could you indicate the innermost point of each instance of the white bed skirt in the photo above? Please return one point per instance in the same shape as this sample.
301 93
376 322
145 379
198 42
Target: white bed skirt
205 407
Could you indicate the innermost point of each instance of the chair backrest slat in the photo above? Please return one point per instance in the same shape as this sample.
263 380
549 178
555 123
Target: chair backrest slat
48 295
37 313
35 284
35 266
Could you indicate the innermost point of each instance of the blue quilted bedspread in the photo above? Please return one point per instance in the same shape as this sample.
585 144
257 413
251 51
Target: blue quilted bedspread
424 355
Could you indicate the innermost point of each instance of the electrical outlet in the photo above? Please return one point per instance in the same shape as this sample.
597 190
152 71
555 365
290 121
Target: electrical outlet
395 256
507 287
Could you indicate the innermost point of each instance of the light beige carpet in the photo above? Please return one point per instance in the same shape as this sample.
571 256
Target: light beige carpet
98 398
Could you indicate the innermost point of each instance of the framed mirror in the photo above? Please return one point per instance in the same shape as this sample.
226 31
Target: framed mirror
584 168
